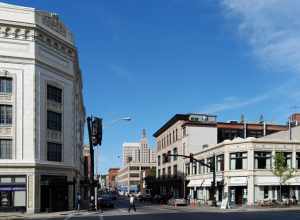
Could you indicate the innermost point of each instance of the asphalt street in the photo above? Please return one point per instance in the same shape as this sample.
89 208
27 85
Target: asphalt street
156 212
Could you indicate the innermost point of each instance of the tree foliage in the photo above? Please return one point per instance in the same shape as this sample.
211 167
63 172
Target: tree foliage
281 168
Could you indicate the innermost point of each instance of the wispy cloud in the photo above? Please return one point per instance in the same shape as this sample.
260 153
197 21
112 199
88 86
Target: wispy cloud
272 28
288 91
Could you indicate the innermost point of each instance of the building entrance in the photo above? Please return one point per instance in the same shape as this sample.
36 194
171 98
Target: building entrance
54 193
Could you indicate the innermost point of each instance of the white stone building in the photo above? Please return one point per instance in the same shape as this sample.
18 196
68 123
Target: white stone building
244 170
41 112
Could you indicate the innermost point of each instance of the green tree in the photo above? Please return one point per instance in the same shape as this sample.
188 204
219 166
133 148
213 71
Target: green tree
282 170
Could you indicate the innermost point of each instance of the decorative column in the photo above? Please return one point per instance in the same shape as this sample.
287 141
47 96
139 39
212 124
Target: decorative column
250 184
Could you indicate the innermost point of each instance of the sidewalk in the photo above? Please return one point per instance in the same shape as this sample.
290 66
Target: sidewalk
17 215
237 209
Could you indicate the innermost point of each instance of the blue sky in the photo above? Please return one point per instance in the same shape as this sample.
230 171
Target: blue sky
153 59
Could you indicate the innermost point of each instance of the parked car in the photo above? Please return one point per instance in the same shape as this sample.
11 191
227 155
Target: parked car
105 201
177 202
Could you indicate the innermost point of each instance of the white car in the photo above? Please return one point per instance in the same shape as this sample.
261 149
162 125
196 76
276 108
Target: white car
177 202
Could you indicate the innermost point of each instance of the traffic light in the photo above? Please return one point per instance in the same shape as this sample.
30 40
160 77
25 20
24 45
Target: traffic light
165 158
97 131
191 158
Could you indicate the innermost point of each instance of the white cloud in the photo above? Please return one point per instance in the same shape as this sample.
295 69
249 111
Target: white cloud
288 90
272 28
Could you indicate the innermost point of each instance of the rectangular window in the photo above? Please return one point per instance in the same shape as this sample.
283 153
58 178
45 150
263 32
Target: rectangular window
209 162
262 160
298 160
54 152
194 168
158 173
175 152
169 157
201 167
5 114
169 171
163 171
53 120
184 133
187 169
5 149
5 85
220 162
288 159
175 170
158 160
54 94
238 161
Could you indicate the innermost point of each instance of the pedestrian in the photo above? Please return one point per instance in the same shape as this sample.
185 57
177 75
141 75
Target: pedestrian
78 201
131 203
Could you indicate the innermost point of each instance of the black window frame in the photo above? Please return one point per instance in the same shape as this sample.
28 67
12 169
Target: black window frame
54 152
54 120
54 94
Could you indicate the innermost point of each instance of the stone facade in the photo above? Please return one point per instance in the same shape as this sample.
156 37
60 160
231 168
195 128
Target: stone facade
244 170
37 51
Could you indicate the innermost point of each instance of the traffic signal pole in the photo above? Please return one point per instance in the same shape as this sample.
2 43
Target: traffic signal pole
211 166
89 124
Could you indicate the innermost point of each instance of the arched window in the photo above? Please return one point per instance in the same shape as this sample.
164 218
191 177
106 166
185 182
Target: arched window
6 33
27 35
17 33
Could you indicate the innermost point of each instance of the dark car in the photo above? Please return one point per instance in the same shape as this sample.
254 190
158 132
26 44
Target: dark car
105 201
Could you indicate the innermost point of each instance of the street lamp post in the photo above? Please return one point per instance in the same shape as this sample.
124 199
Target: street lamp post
95 138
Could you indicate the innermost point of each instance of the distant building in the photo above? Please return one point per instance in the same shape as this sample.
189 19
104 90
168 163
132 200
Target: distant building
192 133
130 177
138 152
137 157
112 173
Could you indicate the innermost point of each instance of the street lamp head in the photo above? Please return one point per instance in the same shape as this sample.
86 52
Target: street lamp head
126 119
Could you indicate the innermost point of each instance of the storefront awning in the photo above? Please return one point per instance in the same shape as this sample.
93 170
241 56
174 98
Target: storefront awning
195 183
203 182
267 181
275 181
238 181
